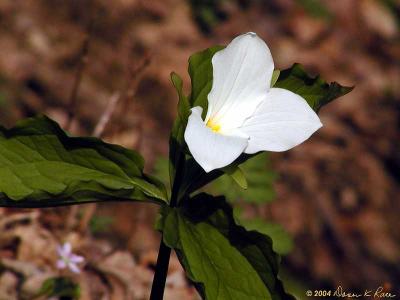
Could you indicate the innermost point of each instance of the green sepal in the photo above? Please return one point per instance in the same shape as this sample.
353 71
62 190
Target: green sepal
259 176
201 75
275 76
236 173
176 142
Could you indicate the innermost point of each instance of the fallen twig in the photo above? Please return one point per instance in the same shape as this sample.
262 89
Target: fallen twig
126 94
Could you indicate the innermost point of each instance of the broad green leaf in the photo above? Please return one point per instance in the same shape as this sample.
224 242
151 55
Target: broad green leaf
41 166
218 269
316 91
236 173
282 240
224 260
201 74
161 170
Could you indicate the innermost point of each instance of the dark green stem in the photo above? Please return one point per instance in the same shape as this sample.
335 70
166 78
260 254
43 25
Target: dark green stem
160 275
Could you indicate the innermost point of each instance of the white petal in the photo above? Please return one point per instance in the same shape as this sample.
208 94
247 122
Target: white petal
211 150
242 75
281 122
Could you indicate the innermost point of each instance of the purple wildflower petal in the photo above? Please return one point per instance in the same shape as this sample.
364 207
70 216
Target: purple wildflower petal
76 258
61 264
66 249
60 251
74 268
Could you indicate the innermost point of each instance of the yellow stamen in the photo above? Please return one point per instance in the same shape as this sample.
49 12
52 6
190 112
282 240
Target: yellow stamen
214 127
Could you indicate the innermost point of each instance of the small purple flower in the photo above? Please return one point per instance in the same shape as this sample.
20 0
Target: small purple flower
68 259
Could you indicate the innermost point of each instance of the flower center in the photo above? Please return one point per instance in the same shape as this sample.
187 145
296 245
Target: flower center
214 127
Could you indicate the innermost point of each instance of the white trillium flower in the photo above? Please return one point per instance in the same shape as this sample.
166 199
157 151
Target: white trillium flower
244 114
68 259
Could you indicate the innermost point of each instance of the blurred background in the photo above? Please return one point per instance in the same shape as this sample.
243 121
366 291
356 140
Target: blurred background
102 68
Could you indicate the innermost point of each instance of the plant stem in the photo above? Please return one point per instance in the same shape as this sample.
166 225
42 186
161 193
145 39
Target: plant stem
160 275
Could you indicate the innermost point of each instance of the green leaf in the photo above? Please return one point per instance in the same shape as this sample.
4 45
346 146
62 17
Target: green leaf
161 171
282 240
316 91
237 175
201 74
60 287
41 166
224 260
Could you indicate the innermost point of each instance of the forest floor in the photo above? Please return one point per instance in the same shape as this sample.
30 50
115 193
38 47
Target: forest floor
337 194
